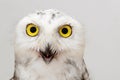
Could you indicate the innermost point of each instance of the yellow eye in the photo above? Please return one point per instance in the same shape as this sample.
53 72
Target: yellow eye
65 31
32 30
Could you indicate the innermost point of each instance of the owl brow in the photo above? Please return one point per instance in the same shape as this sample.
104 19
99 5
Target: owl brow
34 22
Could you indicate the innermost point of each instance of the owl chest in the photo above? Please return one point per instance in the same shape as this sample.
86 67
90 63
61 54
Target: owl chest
66 73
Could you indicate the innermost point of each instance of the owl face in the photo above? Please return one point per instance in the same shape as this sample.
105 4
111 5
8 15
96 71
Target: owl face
48 36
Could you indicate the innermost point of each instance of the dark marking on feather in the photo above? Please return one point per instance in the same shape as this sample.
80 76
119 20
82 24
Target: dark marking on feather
74 65
53 16
85 74
40 13
79 76
27 62
70 62
82 78
14 78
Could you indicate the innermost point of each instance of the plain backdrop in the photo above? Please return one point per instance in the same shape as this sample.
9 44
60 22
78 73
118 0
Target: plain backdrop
101 19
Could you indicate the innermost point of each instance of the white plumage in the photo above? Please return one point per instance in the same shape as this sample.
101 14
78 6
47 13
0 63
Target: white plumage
49 54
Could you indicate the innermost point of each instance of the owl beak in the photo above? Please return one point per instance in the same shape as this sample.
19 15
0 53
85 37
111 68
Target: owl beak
48 54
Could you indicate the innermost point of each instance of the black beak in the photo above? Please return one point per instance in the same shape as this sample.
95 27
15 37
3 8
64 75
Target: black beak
48 54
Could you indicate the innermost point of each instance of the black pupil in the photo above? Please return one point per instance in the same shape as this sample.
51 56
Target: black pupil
33 29
64 30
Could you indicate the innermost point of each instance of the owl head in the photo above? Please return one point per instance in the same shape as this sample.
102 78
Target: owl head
48 36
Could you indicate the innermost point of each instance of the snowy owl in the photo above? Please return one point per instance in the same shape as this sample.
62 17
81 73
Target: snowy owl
49 45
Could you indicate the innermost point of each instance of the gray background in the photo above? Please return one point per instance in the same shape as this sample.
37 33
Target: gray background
101 19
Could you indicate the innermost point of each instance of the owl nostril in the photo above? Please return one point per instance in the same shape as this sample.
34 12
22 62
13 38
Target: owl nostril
47 55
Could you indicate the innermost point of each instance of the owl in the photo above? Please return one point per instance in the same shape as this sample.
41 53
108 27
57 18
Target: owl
49 45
